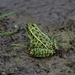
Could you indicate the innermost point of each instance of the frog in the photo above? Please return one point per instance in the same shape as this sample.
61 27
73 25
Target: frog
41 45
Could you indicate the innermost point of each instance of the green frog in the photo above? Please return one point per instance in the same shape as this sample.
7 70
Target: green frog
40 44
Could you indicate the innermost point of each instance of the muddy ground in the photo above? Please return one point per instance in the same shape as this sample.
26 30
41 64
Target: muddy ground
54 18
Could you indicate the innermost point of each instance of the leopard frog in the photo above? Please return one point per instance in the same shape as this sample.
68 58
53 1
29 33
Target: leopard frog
40 44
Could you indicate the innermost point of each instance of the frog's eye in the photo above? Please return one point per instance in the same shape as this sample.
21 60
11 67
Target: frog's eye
33 25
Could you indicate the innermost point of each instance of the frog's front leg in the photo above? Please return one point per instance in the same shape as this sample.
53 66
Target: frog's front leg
54 43
40 52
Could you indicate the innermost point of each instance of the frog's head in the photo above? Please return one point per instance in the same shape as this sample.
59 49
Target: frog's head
30 25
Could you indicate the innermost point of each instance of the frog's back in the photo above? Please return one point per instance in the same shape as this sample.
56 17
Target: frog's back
39 35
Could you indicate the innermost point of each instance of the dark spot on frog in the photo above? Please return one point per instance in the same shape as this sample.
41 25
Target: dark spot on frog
33 25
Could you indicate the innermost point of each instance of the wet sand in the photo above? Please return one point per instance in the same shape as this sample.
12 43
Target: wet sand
55 18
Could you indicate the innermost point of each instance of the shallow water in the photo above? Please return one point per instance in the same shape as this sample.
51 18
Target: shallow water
54 18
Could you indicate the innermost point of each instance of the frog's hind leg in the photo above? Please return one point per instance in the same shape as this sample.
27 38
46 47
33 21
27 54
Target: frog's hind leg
40 52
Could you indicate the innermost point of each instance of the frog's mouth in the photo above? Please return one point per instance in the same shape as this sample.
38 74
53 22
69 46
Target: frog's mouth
27 26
